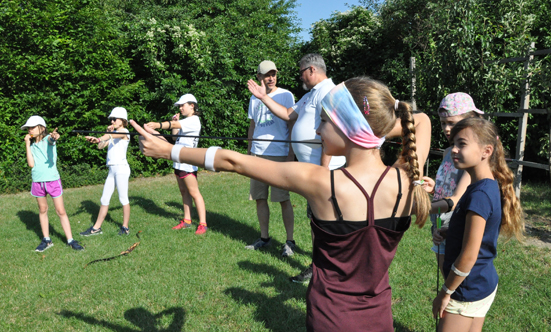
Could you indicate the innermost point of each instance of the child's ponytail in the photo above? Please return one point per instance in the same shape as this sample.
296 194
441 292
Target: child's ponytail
409 156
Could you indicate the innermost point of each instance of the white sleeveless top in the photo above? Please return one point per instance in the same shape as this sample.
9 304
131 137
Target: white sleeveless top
116 153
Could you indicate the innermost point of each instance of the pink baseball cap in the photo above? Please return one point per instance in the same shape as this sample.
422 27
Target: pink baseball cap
456 104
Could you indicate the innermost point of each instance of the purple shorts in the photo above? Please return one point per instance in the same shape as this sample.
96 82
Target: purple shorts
183 174
41 189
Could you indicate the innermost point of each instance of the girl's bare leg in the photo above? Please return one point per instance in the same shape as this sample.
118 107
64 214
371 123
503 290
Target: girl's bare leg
101 216
43 215
186 198
60 210
193 190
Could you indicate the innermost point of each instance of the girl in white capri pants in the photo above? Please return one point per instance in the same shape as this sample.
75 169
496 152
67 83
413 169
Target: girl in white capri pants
119 170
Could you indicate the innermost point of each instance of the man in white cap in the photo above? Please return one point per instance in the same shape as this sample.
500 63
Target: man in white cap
264 125
306 112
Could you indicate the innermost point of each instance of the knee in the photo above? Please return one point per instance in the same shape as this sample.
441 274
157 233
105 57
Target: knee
61 212
43 209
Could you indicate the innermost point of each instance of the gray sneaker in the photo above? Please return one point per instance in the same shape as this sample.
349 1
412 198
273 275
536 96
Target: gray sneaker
259 243
287 249
304 276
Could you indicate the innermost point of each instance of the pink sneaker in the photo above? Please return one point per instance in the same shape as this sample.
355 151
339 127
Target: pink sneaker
183 224
201 229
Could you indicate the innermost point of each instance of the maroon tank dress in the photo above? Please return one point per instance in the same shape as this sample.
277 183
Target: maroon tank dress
349 290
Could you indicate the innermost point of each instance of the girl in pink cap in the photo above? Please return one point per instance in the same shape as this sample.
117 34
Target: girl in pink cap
186 174
450 183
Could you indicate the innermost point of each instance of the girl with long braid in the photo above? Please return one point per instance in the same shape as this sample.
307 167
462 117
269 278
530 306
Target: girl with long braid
360 212
488 206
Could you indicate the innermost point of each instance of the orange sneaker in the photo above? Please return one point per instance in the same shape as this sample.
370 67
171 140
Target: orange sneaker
201 229
183 224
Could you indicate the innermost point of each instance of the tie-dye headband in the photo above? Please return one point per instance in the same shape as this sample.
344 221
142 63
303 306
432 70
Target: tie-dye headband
343 111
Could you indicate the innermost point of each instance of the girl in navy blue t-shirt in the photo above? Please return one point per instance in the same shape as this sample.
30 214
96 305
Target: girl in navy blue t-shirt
488 206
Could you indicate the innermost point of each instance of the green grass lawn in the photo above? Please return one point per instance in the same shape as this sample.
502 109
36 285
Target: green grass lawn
177 281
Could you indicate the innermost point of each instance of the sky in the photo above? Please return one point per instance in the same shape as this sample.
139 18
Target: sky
310 11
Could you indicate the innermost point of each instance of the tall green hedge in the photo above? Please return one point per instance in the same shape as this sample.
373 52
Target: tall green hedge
72 61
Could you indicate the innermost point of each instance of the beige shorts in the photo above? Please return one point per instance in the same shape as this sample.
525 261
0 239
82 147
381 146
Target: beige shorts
259 190
471 309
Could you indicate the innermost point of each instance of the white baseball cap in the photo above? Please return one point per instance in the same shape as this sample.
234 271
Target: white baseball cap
118 113
187 98
34 121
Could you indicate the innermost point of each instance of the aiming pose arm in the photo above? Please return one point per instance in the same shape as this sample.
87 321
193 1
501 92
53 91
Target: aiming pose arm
296 177
472 239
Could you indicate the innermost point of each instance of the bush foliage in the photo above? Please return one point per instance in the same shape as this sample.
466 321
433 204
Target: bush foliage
453 44
72 61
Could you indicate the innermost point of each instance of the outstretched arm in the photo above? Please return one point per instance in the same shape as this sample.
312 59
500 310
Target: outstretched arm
296 177
259 91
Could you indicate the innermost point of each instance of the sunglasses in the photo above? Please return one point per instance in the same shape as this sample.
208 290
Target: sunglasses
112 119
303 70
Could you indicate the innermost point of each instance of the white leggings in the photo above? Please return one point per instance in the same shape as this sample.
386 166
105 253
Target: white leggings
119 175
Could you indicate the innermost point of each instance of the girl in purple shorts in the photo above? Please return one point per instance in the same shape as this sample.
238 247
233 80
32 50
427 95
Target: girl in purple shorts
42 158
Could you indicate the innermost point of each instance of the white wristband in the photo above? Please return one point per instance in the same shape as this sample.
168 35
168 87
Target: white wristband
209 158
445 289
459 273
175 153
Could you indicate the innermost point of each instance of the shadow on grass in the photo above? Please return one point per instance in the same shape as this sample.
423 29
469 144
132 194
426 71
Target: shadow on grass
139 317
246 234
401 328
272 310
32 221
92 208
179 206
151 207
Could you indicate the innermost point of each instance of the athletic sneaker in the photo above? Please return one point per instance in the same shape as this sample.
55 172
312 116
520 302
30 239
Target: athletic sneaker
91 231
74 244
304 276
44 244
124 231
182 224
287 249
201 229
259 243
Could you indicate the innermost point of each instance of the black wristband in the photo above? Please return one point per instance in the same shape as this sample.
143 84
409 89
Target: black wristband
160 125
449 202
169 125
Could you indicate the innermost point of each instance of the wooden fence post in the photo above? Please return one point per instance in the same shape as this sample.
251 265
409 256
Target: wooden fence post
524 104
